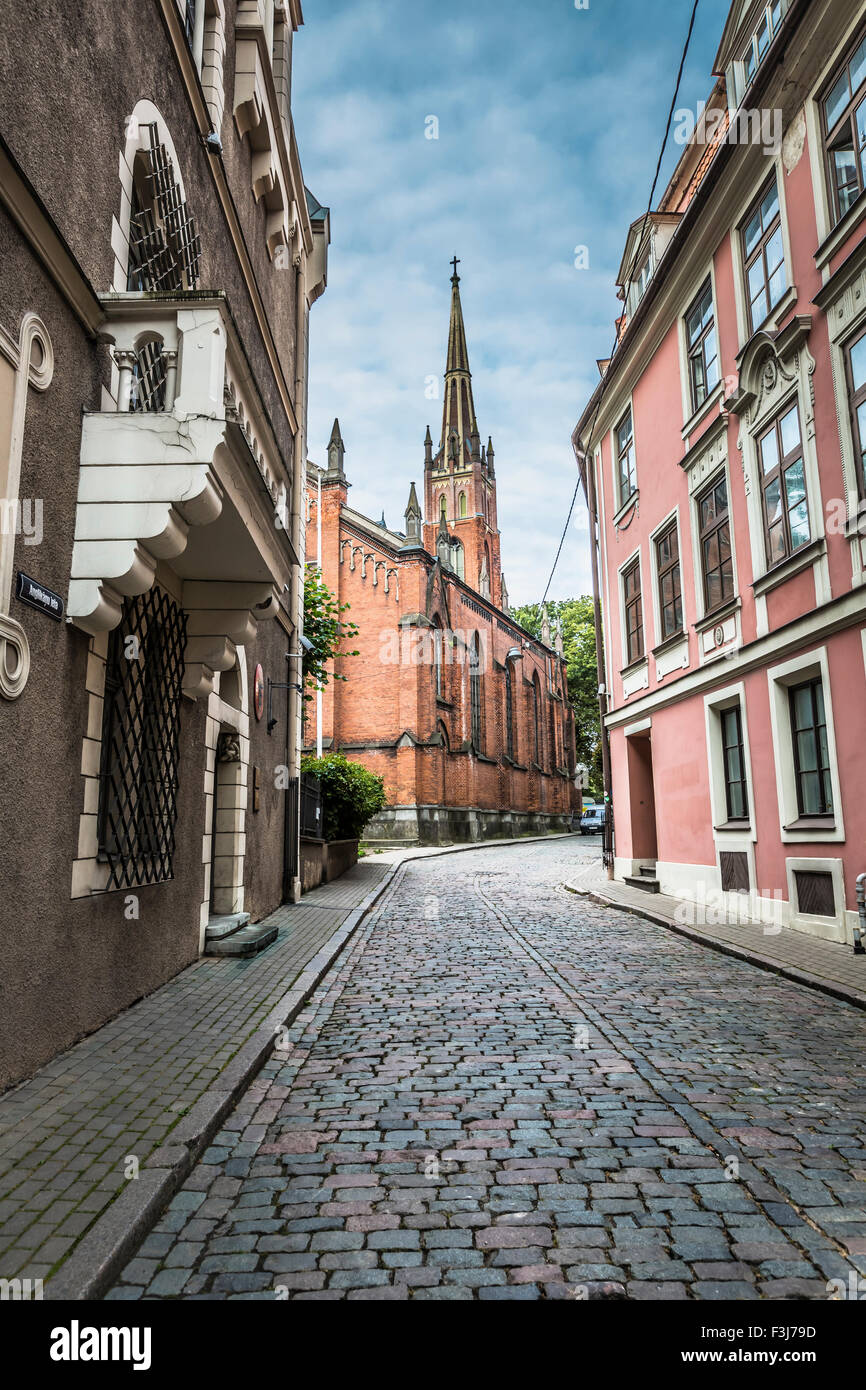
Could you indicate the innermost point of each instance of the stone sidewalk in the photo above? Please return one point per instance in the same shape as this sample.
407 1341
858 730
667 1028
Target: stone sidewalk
67 1133
147 1092
825 965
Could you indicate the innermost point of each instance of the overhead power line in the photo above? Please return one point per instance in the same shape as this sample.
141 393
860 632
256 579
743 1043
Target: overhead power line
631 271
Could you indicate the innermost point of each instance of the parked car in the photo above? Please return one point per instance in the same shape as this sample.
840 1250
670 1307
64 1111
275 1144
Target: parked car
592 820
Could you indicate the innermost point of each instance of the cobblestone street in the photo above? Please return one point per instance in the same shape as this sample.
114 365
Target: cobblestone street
504 1091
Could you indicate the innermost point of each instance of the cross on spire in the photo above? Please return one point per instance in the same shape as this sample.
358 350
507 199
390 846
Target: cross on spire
455 264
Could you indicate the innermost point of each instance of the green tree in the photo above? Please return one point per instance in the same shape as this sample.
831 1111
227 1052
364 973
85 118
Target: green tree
576 617
325 629
351 794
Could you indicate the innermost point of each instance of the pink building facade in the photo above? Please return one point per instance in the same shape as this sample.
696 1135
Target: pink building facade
724 456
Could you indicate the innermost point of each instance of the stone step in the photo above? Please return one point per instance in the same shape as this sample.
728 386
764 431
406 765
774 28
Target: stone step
648 870
647 885
248 941
225 925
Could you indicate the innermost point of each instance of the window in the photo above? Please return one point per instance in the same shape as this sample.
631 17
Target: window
551 730
717 563
855 356
189 20
633 613
639 283
734 760
458 561
437 660
844 114
141 742
670 594
626 472
536 719
783 485
443 511
764 256
462 505
475 694
702 347
815 893
769 19
811 751
509 711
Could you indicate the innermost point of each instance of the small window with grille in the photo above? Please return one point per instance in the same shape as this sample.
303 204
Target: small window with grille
140 742
815 893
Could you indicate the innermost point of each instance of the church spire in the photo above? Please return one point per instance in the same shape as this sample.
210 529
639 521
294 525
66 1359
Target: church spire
458 411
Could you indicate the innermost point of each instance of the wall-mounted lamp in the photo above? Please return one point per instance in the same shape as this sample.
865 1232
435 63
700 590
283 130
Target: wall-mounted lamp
286 685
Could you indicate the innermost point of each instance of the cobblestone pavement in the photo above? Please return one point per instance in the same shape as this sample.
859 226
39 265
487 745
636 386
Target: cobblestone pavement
504 1091
65 1133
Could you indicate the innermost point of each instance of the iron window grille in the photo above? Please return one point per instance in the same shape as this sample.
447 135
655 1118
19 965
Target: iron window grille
811 749
626 469
669 581
312 826
633 613
475 696
855 362
551 728
189 21
734 865
536 719
843 112
509 711
702 346
764 255
147 390
734 757
783 487
717 562
164 244
140 742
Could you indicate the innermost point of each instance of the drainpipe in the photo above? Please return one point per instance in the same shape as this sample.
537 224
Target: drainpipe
587 474
319 564
860 928
296 597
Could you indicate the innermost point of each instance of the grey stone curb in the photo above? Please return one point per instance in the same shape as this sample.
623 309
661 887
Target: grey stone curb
107 1247
727 948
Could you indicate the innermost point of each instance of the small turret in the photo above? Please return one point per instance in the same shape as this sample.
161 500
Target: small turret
545 626
504 601
336 453
490 453
428 449
413 521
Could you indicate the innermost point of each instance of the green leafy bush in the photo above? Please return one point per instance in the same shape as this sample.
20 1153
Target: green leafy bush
351 795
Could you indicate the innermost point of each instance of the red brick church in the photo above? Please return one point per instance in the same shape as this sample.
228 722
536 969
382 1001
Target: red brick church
462 712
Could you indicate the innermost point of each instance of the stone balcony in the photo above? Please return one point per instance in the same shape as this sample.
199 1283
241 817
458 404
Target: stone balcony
183 471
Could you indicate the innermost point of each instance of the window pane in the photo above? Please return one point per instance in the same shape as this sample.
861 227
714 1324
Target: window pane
810 788
769 452
721 497
775 252
734 767
807 751
727 578
799 520
776 537
790 426
714 589
752 233
756 279
861 427
795 483
837 101
777 285
845 172
773 498
858 363
770 205
819 702
803 707
857 67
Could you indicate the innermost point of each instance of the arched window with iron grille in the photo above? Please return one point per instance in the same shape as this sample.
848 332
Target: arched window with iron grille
536 720
509 711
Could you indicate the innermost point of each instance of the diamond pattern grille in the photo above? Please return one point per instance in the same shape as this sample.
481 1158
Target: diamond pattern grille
148 379
164 245
140 741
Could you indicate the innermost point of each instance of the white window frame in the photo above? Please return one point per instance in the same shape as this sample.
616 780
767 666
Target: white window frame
778 312
623 502
830 928
691 415
725 832
779 680
636 554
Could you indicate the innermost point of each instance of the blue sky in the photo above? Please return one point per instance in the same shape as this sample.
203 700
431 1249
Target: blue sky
549 123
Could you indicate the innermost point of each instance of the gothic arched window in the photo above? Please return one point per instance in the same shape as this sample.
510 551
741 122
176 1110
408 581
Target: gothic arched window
475 694
437 659
443 510
509 711
536 719
461 509
458 563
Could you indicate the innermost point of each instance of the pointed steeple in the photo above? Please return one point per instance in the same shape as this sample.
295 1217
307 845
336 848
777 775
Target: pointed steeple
458 411
383 523
413 521
428 449
489 454
545 626
336 452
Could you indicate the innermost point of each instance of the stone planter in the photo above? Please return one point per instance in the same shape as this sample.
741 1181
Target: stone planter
322 861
